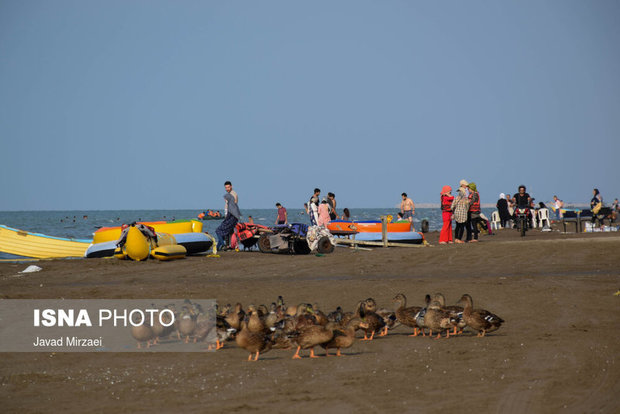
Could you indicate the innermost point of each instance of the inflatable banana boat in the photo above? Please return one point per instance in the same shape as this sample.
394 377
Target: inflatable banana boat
139 247
106 234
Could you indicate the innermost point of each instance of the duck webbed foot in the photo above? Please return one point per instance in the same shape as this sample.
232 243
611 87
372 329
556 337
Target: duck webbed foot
296 356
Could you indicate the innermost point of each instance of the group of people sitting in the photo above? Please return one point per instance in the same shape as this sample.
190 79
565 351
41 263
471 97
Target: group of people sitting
210 213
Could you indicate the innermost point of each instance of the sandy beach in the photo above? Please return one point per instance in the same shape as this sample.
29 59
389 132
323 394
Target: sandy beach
555 353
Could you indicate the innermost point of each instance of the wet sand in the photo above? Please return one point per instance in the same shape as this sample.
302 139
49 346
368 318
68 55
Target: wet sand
556 352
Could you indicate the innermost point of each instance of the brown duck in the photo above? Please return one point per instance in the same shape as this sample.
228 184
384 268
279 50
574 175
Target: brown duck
455 311
438 320
187 323
311 336
235 317
406 315
343 337
255 323
479 320
374 321
142 333
253 342
389 317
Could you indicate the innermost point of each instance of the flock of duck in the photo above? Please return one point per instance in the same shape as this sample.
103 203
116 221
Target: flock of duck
258 329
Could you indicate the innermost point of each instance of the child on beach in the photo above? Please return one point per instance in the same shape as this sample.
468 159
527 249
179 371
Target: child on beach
446 214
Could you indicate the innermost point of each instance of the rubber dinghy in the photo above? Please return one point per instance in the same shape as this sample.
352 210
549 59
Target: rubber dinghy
411 237
371 226
40 246
169 246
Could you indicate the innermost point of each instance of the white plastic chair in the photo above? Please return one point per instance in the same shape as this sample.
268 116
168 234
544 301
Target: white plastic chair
543 217
495 221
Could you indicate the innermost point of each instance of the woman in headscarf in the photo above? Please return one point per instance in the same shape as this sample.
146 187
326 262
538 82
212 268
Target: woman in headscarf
502 209
446 214
460 205
596 203
473 215
324 217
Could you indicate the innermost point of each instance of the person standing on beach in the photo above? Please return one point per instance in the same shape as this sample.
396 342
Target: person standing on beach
596 203
473 214
313 207
282 217
233 214
407 207
557 207
502 209
511 204
446 198
331 202
229 190
463 184
346 215
460 206
324 217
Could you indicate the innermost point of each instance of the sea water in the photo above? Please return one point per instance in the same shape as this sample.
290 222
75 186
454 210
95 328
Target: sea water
82 224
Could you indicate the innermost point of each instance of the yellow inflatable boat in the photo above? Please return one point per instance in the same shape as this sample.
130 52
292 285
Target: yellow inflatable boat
106 234
41 246
139 247
170 252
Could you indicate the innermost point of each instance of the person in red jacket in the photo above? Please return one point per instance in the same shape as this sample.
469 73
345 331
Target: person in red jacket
446 214
473 215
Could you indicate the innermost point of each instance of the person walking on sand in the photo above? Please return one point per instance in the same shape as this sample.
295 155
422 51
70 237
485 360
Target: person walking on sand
282 217
597 198
596 204
233 214
407 207
473 214
446 198
460 206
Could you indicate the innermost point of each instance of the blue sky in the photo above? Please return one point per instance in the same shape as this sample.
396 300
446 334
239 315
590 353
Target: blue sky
154 104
